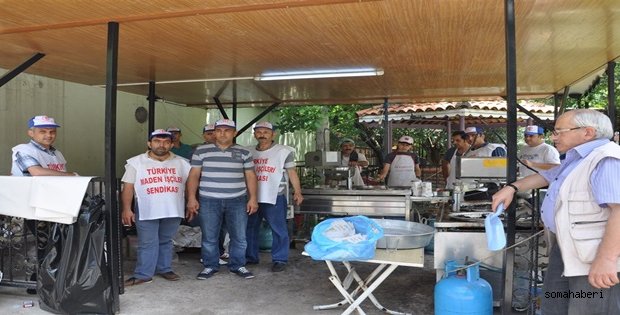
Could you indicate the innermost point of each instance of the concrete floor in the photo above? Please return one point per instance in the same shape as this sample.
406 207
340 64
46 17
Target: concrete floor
304 284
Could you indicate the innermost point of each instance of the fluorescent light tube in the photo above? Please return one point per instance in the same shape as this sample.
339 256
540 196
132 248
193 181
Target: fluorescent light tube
315 74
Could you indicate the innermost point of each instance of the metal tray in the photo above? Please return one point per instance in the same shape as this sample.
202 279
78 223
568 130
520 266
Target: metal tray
469 216
398 234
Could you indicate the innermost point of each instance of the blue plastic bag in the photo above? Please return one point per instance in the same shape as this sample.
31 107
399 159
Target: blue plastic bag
324 248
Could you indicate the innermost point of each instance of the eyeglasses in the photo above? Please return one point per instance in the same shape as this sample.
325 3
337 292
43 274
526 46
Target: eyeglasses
557 132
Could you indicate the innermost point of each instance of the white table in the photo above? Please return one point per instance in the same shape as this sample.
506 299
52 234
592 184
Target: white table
387 261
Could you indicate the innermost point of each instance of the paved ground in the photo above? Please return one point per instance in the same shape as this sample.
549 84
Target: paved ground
294 291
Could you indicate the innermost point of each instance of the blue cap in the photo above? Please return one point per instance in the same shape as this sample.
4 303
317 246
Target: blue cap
534 130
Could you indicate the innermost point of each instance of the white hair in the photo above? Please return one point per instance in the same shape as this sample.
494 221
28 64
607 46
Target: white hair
595 119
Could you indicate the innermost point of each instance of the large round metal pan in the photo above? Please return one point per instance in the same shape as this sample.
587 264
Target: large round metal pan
398 234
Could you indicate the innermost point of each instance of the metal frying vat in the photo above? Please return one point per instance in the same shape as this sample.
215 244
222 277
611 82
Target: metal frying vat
398 234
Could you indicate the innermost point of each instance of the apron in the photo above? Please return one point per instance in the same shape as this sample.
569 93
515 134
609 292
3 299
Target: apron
402 171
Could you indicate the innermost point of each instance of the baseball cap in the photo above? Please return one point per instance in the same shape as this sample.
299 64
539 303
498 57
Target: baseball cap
263 124
473 130
208 127
160 133
534 130
42 122
173 129
406 139
347 140
225 123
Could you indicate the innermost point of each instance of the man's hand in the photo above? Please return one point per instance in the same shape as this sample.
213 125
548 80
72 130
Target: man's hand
128 217
603 273
504 195
252 206
298 198
190 214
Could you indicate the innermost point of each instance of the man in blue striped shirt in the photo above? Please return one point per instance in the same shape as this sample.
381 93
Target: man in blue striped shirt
581 212
224 172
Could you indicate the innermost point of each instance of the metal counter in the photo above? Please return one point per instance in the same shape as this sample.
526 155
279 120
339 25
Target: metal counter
380 202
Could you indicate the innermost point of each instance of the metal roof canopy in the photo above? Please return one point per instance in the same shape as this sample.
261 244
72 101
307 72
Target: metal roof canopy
438 50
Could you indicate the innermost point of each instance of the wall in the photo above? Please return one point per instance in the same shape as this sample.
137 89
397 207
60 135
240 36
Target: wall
80 110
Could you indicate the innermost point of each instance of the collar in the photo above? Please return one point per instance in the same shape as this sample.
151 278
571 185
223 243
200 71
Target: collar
42 148
586 148
481 146
170 156
271 146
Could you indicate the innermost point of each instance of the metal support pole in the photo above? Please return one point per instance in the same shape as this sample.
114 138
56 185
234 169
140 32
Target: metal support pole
387 134
258 117
220 107
113 237
611 93
21 68
449 132
462 123
152 99
557 99
234 101
511 131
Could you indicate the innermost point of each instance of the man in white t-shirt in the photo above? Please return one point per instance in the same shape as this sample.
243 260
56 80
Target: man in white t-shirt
354 159
536 153
274 165
157 180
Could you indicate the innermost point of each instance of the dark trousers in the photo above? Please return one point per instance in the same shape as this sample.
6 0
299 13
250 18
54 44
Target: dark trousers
574 295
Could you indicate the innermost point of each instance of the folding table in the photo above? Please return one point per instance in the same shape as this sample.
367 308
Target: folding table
387 261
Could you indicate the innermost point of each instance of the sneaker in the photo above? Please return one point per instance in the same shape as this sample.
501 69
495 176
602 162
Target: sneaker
278 266
170 276
223 262
243 272
135 281
206 274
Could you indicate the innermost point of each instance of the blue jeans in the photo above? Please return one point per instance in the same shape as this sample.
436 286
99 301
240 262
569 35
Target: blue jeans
155 246
212 213
275 215
556 287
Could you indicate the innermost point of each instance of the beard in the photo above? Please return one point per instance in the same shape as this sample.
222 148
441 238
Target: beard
160 151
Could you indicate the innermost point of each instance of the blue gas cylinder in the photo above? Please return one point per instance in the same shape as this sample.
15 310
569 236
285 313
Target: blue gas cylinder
265 237
463 292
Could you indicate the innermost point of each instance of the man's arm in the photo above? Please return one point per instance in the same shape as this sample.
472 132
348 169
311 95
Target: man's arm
542 166
251 182
361 160
127 215
191 188
294 179
506 194
603 272
445 169
41 171
418 171
384 171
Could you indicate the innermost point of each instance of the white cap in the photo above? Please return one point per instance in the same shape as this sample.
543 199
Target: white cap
406 139
263 124
225 123
42 122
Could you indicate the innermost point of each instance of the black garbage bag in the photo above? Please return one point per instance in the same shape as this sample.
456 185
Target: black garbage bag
74 277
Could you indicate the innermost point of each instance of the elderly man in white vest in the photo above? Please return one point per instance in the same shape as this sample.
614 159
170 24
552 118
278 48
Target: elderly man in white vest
275 167
581 211
157 180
